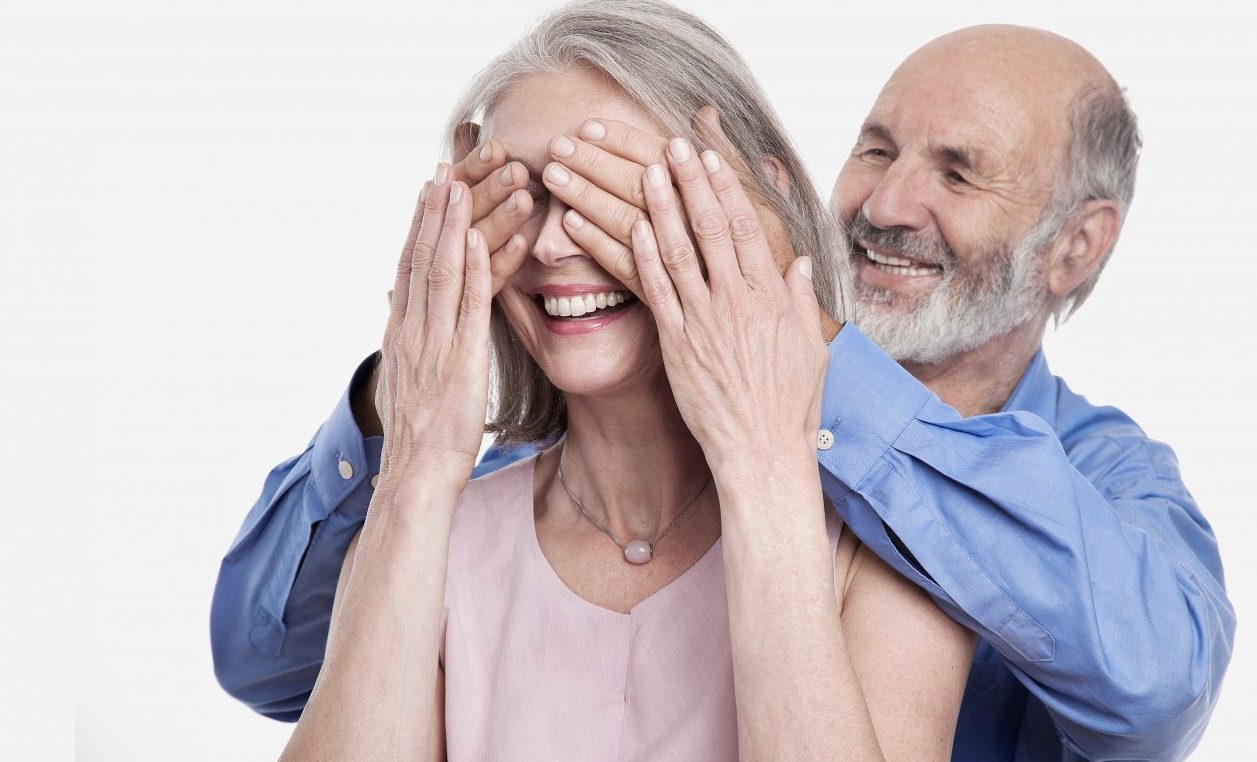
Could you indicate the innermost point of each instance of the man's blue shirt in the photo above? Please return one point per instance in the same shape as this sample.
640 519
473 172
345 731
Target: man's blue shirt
1055 529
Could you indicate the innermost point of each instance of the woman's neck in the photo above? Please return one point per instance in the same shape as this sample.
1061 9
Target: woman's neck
632 462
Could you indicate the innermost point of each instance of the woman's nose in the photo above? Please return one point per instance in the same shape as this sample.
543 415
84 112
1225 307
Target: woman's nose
553 243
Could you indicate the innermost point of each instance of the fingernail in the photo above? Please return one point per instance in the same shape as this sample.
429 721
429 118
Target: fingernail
655 176
557 175
423 193
641 230
679 149
562 147
456 193
506 177
486 152
711 161
442 172
593 130
472 238
805 266
574 219
511 203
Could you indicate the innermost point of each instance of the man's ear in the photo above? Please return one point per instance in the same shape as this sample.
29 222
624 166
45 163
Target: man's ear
1083 245
466 135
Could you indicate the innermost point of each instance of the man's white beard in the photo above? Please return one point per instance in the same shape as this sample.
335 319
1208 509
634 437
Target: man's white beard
963 311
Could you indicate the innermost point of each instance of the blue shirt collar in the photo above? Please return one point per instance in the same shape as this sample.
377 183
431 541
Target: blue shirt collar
1036 391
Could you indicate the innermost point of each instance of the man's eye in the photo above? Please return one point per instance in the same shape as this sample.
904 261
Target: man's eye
877 153
955 178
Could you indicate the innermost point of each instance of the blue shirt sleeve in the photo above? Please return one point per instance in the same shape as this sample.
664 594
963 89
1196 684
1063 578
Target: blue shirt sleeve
1090 570
273 600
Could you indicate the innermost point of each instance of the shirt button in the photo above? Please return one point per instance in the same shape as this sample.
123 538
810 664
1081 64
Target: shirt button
375 480
346 469
824 440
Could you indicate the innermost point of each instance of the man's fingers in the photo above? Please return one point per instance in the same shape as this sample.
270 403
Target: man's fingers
505 219
618 176
506 260
479 162
707 218
608 212
627 142
487 194
613 256
674 244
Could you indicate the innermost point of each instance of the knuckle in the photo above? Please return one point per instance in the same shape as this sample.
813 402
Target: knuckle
626 266
441 275
743 227
421 255
679 257
710 225
623 219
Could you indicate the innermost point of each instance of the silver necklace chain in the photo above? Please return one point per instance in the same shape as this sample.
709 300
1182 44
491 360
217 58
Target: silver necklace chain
607 532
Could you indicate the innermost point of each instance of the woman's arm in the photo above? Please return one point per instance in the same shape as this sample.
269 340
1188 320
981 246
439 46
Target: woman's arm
374 698
832 660
751 397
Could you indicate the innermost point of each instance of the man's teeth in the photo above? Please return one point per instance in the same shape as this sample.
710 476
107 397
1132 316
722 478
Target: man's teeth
897 265
575 306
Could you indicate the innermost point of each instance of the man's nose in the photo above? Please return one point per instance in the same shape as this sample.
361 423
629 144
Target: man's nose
553 243
898 198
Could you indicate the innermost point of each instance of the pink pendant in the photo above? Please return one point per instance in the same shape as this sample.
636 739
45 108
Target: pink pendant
637 552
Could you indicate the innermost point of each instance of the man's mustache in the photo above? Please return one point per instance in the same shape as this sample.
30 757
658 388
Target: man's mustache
919 247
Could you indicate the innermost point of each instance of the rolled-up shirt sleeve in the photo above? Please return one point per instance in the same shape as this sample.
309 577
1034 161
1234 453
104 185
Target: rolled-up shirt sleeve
1085 563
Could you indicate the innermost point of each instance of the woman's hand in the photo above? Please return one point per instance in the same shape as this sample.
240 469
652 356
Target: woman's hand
434 367
743 348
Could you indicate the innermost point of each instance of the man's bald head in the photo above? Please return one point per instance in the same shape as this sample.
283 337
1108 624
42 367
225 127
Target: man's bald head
987 142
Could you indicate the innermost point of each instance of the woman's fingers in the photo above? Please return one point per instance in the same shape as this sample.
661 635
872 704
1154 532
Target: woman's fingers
422 251
707 218
658 291
673 240
754 254
473 315
479 163
401 282
610 254
446 274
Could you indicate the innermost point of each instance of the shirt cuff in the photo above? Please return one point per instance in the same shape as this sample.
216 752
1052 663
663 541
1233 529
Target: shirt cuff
868 400
342 458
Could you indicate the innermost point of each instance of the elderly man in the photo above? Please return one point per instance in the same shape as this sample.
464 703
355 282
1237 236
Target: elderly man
984 194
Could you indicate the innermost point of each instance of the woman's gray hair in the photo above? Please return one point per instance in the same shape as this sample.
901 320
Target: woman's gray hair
671 64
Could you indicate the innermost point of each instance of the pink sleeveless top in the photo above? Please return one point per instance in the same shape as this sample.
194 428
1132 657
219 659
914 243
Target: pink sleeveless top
534 672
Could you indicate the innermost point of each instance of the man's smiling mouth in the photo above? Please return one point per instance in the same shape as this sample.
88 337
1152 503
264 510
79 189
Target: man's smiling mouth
895 265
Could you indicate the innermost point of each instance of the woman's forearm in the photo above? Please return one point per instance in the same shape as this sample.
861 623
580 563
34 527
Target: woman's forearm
374 698
797 693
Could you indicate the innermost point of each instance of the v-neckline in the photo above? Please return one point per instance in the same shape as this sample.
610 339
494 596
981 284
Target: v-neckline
644 606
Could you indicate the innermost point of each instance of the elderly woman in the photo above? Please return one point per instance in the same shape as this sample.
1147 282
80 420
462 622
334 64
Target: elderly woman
663 580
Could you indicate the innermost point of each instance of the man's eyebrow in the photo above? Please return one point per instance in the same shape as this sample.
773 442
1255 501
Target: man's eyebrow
876 130
970 159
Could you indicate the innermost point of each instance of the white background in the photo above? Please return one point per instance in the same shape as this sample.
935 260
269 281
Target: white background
199 213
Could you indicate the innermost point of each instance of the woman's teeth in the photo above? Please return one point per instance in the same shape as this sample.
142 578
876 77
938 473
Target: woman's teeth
575 306
898 265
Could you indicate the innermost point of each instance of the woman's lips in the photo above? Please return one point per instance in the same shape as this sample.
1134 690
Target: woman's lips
585 324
